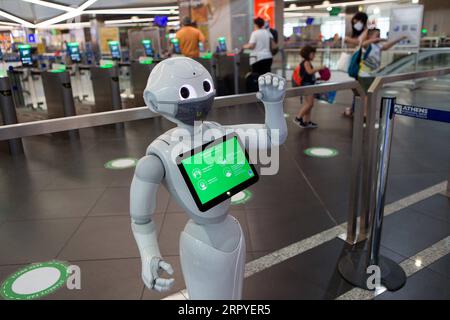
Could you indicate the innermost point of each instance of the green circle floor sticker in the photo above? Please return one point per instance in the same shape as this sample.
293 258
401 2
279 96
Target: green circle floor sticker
321 152
121 163
35 281
241 197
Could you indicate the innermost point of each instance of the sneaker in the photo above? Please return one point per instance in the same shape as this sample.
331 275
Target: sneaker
300 123
312 125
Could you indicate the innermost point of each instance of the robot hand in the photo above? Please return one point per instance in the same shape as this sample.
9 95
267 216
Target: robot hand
151 275
271 88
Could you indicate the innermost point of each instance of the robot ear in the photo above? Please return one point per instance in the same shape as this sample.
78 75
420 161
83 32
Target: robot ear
149 98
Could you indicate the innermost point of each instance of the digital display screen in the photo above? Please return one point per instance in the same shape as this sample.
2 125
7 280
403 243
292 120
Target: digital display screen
74 52
148 48
25 54
222 44
201 47
176 45
114 47
218 171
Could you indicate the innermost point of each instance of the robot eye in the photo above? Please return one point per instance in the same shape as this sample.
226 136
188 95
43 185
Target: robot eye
187 91
184 92
207 86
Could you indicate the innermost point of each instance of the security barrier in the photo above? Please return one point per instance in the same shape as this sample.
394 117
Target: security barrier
354 266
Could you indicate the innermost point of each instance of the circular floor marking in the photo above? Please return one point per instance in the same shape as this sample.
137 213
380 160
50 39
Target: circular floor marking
241 197
35 281
121 163
321 152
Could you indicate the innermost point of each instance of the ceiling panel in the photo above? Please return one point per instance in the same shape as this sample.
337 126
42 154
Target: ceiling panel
35 13
28 11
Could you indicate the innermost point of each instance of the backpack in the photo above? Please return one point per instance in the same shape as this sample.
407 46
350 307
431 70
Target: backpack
296 77
355 62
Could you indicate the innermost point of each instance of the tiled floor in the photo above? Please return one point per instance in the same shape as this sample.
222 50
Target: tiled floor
59 202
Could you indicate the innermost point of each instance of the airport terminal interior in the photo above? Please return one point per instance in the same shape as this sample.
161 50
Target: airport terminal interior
356 174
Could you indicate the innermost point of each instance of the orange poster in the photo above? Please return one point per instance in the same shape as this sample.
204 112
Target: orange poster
265 10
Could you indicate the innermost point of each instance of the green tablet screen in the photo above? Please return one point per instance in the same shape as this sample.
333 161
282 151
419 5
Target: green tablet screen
218 169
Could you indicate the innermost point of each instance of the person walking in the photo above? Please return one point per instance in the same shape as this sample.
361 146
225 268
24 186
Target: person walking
189 38
261 43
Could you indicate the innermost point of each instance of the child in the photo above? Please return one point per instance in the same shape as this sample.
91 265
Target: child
307 74
372 49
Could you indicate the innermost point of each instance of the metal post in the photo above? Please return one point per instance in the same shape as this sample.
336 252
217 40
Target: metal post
370 134
8 112
67 94
115 88
115 92
355 182
32 90
68 102
236 66
354 266
384 151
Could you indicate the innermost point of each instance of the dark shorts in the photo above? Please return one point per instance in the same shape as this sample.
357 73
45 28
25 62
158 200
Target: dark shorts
306 83
262 66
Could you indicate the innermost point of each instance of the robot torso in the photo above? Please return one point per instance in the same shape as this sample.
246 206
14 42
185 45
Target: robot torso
167 147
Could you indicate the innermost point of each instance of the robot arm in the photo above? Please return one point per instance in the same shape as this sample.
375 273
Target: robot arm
147 178
271 92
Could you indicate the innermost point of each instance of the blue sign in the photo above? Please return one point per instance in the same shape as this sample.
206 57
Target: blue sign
31 38
161 21
422 113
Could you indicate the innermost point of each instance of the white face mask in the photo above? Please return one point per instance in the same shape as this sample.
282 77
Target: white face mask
358 26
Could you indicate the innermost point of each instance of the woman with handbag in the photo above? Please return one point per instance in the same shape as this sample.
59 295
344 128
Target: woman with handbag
354 40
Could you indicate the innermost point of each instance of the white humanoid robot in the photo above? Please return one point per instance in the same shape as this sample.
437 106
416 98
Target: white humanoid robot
212 245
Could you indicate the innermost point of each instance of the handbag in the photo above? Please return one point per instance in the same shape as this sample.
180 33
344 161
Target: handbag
273 48
344 61
353 68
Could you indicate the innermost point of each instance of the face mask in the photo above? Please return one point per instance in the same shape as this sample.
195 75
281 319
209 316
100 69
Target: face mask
358 26
192 110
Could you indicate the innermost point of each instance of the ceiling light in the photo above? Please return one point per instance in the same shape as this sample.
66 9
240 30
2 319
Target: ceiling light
329 8
376 10
51 5
10 24
74 25
119 11
352 3
326 3
302 8
108 22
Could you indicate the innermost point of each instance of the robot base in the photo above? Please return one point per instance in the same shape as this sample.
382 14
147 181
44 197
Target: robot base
213 260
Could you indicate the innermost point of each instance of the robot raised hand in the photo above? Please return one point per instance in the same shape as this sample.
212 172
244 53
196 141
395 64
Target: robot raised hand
272 88
212 244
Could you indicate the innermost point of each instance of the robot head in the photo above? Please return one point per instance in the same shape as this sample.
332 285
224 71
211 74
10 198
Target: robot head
181 90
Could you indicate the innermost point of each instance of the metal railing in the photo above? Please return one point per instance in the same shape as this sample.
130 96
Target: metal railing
370 138
20 130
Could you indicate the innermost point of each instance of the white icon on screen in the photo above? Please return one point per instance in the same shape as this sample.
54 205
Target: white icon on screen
202 185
